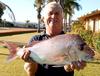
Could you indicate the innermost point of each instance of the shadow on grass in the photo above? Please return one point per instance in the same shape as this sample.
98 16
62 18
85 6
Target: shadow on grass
3 54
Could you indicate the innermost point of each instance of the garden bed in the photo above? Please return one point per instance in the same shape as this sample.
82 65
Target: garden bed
8 31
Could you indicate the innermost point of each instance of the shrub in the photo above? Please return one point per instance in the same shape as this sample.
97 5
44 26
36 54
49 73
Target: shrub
92 39
96 41
87 35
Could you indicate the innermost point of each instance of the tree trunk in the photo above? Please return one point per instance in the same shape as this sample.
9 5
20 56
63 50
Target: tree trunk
39 18
69 23
38 29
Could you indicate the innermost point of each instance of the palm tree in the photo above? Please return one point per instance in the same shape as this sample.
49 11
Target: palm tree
68 8
39 5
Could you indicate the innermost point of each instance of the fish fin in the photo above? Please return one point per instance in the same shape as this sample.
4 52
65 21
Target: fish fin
11 58
11 47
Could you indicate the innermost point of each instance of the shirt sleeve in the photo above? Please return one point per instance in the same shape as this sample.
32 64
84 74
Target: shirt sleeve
34 38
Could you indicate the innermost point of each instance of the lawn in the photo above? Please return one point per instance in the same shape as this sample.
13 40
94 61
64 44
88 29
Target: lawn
15 68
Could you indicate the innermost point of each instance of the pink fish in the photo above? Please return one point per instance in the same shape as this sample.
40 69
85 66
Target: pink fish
58 50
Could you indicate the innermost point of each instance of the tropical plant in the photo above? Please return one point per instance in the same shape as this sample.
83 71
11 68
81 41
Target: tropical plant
92 39
39 5
68 8
96 41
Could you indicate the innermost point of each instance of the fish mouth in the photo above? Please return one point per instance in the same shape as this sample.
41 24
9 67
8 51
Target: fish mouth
88 58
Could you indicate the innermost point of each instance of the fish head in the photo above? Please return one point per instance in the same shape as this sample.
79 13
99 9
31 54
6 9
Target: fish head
78 49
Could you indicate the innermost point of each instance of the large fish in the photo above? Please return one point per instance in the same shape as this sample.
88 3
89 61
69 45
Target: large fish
58 50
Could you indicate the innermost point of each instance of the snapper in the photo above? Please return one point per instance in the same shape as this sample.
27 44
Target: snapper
58 50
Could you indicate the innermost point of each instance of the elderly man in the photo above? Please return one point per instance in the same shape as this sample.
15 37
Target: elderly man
53 20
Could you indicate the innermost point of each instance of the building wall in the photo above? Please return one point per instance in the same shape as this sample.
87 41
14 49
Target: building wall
97 26
91 21
93 25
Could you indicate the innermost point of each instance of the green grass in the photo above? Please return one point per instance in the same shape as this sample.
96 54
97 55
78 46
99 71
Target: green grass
18 37
90 70
15 68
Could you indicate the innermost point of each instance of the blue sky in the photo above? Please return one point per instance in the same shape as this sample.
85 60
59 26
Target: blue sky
24 9
87 7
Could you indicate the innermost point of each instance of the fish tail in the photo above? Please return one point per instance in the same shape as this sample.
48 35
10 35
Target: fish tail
10 58
12 51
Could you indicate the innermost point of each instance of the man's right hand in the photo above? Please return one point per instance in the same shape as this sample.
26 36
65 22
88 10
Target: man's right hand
26 55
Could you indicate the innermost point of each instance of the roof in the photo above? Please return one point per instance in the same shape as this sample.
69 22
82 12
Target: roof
93 14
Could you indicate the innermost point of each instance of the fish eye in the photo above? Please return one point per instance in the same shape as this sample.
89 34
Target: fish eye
81 47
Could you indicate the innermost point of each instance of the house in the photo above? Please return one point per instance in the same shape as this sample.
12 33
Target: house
91 21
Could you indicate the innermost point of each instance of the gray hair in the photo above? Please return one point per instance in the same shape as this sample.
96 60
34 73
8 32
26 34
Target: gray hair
51 4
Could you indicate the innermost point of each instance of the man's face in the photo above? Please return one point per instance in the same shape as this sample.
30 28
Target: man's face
53 19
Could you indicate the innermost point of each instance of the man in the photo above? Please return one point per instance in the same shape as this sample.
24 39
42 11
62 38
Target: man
53 20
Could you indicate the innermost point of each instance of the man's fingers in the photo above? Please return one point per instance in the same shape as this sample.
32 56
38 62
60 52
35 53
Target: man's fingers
68 68
26 54
78 65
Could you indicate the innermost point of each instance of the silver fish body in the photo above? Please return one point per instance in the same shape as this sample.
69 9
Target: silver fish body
60 50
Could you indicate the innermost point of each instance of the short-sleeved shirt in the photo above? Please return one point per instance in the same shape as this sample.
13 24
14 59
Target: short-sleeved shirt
48 70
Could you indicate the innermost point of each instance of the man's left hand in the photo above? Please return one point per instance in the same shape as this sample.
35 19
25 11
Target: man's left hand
78 65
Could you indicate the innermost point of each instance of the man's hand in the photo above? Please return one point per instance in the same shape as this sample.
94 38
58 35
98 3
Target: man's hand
25 56
78 65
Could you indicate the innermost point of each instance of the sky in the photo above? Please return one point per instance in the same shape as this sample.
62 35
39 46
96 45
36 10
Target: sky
24 9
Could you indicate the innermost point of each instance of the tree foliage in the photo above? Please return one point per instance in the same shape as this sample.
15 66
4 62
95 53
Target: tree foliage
2 8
